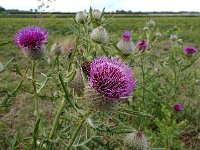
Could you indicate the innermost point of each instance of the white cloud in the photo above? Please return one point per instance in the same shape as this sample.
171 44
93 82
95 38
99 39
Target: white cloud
110 5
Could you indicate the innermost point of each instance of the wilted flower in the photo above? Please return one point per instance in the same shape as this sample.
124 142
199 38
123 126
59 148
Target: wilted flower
99 35
126 44
68 45
81 16
31 40
178 107
142 45
136 141
190 50
96 14
173 37
109 81
151 23
57 48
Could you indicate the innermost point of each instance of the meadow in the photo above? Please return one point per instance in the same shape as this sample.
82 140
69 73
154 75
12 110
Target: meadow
163 73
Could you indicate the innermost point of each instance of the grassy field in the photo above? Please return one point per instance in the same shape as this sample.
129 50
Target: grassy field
14 119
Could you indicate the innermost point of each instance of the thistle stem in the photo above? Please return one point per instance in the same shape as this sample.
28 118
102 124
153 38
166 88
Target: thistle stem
143 79
34 89
78 128
55 122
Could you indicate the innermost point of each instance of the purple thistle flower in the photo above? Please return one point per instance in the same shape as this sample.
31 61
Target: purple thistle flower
111 78
142 45
31 37
190 50
178 107
126 36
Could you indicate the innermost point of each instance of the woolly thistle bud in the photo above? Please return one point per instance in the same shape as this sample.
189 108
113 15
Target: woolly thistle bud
136 141
96 14
198 82
142 45
110 81
146 28
57 48
158 34
126 44
81 17
77 83
151 23
31 40
99 35
173 37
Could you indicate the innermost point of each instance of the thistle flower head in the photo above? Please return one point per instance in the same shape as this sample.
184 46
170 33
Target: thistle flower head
81 16
190 50
136 141
111 77
30 37
151 23
142 45
126 44
99 35
178 107
126 36
96 14
173 37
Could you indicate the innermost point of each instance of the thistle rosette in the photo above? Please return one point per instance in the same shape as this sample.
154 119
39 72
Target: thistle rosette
126 44
136 141
99 35
110 81
142 45
81 17
32 40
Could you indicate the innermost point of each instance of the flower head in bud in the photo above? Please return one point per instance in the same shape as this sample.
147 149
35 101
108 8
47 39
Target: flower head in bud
151 23
136 141
31 40
126 44
96 14
99 35
81 16
146 28
57 48
189 50
173 37
142 45
126 36
77 83
158 34
178 107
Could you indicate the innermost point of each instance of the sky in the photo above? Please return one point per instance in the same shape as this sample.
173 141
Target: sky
110 5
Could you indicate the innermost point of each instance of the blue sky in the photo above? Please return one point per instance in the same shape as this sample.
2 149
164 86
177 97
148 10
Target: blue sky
110 5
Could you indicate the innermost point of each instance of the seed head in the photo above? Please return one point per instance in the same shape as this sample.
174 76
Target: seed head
99 35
